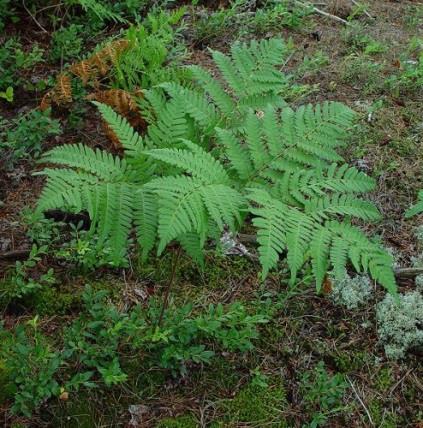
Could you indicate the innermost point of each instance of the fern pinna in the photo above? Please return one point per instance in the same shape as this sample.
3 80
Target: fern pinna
223 156
417 208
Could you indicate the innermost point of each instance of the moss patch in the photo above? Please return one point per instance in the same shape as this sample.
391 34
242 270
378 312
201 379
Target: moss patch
256 406
179 422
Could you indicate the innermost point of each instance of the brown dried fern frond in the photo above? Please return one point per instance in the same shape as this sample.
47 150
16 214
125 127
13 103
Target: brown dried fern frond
83 70
60 94
106 57
123 103
119 99
46 101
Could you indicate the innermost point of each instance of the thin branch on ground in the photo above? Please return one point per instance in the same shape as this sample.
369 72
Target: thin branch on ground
408 272
15 255
361 401
323 13
33 18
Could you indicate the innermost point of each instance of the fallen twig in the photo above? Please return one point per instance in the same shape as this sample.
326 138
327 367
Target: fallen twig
323 13
15 255
34 18
361 402
408 272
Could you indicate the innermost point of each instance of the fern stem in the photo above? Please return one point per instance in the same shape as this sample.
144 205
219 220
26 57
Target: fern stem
175 262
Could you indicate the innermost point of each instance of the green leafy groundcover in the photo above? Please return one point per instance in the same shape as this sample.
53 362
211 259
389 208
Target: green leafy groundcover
33 369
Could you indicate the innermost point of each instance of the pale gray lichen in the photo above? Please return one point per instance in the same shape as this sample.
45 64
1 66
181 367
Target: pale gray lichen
419 283
395 256
419 235
400 324
351 292
417 262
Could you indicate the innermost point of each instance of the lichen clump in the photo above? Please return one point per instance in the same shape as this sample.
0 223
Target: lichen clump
400 324
419 234
352 292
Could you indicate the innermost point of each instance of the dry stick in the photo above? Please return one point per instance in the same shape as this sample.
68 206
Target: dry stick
48 7
408 272
169 286
33 17
15 255
323 13
361 401
401 380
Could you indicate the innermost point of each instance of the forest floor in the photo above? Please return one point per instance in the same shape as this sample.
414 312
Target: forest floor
267 386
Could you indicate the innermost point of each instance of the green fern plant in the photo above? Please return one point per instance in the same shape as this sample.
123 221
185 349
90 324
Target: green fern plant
98 9
217 158
154 54
417 208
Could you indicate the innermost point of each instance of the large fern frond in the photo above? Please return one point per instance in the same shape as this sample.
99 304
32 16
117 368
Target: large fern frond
196 105
186 203
145 219
170 125
96 162
249 146
196 161
269 220
214 89
252 70
346 205
131 141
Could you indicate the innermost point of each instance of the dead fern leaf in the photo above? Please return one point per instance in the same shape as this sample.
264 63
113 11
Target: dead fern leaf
327 285
99 63
106 57
113 50
46 101
62 92
123 103
119 99
83 70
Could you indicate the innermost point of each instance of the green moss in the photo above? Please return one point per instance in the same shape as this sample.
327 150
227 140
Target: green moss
7 389
142 379
86 409
187 421
349 361
218 272
53 301
76 412
220 376
384 379
381 418
256 406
